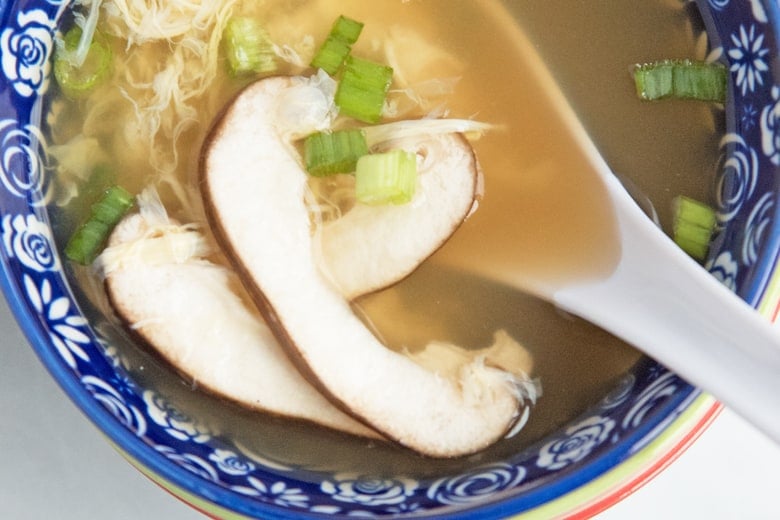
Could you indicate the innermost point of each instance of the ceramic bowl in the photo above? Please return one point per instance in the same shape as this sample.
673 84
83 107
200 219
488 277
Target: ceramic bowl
638 427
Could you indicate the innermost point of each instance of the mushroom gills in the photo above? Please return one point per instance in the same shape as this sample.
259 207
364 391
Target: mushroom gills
254 186
188 309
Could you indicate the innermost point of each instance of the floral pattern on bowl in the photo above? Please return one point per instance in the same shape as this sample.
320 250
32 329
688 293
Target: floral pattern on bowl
742 256
204 463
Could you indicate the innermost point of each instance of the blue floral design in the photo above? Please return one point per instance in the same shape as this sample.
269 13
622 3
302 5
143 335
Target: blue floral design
29 240
231 463
621 393
725 269
737 177
113 400
718 5
748 58
757 227
748 117
23 155
66 327
368 490
759 13
580 440
665 386
474 486
190 462
176 424
770 128
26 52
112 354
279 493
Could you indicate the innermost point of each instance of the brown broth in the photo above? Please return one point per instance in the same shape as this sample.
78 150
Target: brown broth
539 214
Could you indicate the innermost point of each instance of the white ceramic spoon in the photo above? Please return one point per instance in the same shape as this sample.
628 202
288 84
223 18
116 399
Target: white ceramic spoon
659 299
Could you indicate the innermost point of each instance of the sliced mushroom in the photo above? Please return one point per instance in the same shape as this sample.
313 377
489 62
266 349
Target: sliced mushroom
253 188
189 311
371 247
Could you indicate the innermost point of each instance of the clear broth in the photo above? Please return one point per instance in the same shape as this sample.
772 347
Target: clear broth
536 213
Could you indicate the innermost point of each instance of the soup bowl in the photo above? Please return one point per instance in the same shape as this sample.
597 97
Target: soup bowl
642 422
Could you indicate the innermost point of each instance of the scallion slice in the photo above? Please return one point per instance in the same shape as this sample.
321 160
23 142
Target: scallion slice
681 79
88 240
78 80
337 45
386 178
89 191
346 29
331 55
694 223
363 88
247 47
326 153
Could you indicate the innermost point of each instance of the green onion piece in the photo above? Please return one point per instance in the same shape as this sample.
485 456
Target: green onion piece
77 81
346 29
363 88
386 178
337 45
248 47
89 191
88 240
694 223
326 153
681 79
331 55
101 178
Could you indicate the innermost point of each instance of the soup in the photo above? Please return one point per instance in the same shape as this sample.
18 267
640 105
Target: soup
537 214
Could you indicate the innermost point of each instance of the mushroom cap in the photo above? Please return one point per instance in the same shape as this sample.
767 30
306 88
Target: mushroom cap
253 187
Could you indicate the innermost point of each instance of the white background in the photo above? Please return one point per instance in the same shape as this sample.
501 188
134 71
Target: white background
55 465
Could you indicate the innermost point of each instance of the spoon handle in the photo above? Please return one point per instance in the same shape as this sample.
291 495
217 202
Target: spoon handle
667 305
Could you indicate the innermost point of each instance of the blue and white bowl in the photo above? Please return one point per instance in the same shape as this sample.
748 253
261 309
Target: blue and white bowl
637 428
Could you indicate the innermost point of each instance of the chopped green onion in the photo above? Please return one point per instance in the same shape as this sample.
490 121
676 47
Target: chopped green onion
102 177
331 55
326 153
694 223
337 45
346 29
363 88
386 178
248 47
88 240
681 79
89 191
78 80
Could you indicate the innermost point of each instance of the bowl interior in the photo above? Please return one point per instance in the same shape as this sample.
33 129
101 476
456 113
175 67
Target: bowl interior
267 467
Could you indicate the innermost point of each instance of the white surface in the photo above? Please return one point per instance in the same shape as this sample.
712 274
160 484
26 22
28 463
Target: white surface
730 472
55 465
